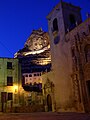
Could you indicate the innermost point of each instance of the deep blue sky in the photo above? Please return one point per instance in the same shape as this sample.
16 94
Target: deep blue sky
19 17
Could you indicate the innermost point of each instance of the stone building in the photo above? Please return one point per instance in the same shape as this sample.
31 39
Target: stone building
32 78
10 84
32 82
67 86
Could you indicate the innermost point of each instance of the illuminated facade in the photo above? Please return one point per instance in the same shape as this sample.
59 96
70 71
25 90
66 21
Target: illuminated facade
10 84
67 86
35 58
32 82
32 78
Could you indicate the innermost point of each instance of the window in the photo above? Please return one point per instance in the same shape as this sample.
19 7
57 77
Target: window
10 96
87 53
72 21
9 65
35 75
9 81
56 39
55 25
3 96
26 75
30 75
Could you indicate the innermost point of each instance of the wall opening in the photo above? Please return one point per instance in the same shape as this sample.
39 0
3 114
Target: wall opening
49 102
55 25
72 21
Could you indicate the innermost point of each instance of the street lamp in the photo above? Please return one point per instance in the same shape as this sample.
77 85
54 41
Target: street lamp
15 88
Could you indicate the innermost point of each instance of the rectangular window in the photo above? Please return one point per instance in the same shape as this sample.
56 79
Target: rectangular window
9 81
9 65
3 97
10 96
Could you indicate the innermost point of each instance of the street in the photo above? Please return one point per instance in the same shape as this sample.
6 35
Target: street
44 116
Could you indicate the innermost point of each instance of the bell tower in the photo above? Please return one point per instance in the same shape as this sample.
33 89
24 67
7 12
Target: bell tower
63 18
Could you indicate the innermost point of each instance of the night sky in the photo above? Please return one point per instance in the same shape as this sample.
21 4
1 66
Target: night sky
19 17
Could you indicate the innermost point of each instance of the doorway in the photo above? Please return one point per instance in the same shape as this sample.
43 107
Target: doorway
49 102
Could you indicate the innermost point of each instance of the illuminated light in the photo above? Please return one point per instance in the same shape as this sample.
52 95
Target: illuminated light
15 88
33 52
43 61
38 51
40 81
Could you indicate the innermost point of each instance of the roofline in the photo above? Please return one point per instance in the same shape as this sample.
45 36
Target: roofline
60 3
7 58
86 21
53 10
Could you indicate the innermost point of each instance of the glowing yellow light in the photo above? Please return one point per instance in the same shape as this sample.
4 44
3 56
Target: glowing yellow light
38 51
15 88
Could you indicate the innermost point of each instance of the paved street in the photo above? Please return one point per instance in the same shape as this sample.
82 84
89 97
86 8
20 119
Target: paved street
44 116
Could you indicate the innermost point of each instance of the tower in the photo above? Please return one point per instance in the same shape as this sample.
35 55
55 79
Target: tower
63 18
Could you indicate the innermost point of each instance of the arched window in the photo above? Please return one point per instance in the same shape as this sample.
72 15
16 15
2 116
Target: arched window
87 52
72 21
55 25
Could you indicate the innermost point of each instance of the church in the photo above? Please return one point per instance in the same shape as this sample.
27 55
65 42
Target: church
66 88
